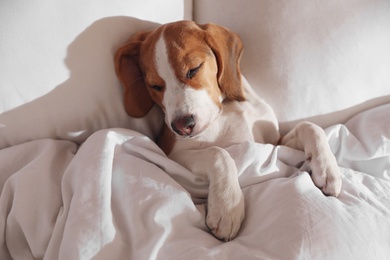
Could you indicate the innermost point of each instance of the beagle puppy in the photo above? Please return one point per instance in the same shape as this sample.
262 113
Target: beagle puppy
192 72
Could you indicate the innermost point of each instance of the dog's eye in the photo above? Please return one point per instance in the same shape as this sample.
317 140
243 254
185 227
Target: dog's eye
191 73
157 88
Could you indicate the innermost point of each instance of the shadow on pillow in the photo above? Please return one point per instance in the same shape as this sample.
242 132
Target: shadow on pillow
337 117
90 99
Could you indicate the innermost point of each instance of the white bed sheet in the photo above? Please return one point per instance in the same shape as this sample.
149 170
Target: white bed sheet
119 197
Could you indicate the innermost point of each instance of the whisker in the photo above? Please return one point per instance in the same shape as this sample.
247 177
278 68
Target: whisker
138 79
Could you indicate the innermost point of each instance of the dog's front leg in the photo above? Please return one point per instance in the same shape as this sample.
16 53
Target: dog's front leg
225 209
311 139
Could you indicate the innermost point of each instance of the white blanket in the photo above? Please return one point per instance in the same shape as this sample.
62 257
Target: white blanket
119 197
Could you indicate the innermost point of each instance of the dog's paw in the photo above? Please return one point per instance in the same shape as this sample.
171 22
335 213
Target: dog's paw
326 173
225 214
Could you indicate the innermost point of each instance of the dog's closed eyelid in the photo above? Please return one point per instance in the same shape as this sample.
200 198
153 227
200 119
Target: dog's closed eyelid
157 88
191 73
156 85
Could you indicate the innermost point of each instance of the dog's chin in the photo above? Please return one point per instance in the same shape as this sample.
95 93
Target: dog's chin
185 136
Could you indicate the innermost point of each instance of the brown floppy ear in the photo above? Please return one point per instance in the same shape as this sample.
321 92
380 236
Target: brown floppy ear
227 47
137 101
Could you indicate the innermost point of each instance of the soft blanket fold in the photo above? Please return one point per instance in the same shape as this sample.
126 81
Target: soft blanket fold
119 197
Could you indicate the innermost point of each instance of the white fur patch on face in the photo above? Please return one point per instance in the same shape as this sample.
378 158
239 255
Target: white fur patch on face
182 100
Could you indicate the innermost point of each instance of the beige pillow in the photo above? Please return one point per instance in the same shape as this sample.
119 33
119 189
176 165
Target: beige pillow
317 60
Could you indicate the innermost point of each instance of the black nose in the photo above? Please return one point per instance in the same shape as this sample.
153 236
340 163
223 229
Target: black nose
184 125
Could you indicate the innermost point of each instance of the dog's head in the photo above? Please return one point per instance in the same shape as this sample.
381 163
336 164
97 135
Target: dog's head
185 68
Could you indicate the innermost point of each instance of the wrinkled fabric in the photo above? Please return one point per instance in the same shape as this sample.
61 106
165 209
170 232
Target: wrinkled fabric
117 196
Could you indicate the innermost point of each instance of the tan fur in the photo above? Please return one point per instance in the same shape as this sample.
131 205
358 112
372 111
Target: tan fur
184 53
228 117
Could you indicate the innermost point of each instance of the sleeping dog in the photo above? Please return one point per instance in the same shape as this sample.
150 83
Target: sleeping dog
192 72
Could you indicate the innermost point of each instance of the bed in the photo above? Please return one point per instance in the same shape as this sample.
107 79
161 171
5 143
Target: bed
80 179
